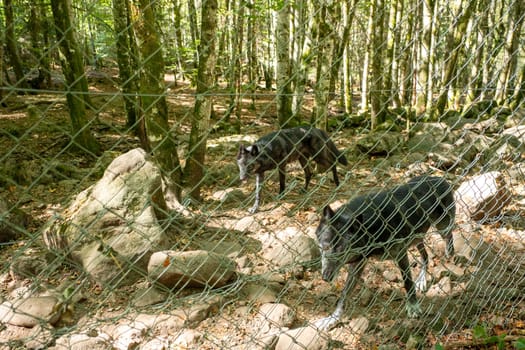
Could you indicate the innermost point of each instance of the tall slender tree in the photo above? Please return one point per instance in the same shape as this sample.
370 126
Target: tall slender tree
200 123
282 48
12 50
323 48
127 59
508 73
455 43
377 94
153 105
75 79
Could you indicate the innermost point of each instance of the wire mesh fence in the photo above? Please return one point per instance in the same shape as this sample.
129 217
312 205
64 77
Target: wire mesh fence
382 163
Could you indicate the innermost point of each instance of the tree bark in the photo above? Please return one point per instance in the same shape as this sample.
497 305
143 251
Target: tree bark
126 58
282 47
425 53
194 171
377 100
507 76
75 79
11 45
153 105
455 44
323 43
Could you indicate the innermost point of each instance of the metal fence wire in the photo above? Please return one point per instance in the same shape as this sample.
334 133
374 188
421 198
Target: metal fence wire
380 146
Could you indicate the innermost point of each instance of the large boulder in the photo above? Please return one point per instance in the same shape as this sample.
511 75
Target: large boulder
29 312
112 227
290 248
380 143
483 197
194 268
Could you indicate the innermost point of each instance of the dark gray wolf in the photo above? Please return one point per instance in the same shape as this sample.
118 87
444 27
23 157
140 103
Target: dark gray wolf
385 224
281 147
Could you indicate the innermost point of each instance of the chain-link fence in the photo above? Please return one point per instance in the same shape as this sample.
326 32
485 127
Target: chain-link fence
126 127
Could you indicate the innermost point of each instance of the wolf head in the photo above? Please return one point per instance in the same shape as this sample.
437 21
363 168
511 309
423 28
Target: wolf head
327 237
335 235
246 160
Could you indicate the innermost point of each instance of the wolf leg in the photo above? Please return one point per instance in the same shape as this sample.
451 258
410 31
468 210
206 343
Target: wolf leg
334 173
421 281
282 177
412 305
354 272
259 178
307 171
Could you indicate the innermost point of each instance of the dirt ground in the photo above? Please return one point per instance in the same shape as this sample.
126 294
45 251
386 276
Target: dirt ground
487 297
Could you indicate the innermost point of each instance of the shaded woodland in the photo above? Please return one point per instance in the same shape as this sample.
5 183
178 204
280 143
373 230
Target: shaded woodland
370 58
402 87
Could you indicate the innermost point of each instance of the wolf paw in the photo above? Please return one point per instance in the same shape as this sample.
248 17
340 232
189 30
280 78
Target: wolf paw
413 310
327 323
421 282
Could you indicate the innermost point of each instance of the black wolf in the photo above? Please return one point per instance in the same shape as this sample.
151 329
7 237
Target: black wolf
385 223
281 147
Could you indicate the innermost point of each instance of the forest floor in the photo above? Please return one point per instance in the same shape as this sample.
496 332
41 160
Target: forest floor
33 137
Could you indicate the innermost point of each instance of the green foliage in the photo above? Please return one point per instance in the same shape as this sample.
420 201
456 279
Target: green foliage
519 344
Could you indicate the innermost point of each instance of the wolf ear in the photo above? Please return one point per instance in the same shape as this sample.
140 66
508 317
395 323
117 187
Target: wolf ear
254 150
242 150
328 213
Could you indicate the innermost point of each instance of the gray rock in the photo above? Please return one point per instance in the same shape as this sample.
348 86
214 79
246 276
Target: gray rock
112 227
296 250
82 341
248 223
483 197
259 292
277 315
148 296
29 312
190 269
228 195
304 338
380 143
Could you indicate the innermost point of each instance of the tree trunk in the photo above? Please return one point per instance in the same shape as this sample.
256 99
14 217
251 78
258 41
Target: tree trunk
507 76
300 50
179 44
340 43
377 100
519 91
11 45
38 31
126 51
194 171
253 76
282 47
235 68
75 79
425 52
192 18
393 38
478 48
455 44
323 43
153 105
